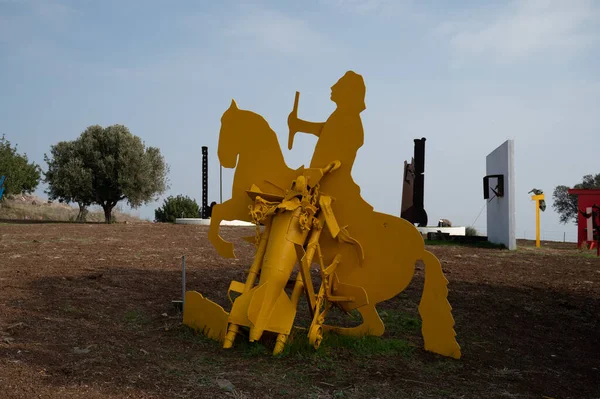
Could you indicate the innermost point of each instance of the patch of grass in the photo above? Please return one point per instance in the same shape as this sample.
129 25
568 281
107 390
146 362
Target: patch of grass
252 349
135 317
586 254
203 380
299 346
472 244
323 361
549 251
68 308
299 377
176 372
368 345
400 321
190 335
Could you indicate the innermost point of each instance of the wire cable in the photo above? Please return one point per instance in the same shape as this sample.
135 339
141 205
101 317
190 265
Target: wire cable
484 205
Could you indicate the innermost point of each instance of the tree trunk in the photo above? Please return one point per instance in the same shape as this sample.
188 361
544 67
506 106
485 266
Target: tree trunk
107 213
81 217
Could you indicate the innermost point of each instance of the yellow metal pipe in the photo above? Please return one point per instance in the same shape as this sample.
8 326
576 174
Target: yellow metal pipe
537 224
258 258
296 293
313 242
233 329
278 263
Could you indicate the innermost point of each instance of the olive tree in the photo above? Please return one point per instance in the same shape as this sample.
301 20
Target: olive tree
21 176
67 177
565 204
112 165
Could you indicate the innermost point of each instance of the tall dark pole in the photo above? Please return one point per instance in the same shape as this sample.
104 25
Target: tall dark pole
204 182
413 187
419 191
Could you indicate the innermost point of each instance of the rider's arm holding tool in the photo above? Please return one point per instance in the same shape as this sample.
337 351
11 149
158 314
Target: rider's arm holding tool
298 125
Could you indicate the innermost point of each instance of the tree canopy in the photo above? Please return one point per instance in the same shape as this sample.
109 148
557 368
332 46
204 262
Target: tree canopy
22 176
104 166
67 177
565 204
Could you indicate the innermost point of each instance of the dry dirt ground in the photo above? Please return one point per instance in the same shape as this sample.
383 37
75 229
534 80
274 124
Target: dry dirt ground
86 312
33 208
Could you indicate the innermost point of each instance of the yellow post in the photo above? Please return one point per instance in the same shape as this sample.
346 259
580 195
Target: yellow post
537 199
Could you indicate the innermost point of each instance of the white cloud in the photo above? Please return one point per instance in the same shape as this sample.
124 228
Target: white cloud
185 65
53 11
275 31
525 28
22 28
360 6
407 10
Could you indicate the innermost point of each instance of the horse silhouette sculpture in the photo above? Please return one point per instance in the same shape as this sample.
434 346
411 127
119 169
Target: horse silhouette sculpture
372 255
247 143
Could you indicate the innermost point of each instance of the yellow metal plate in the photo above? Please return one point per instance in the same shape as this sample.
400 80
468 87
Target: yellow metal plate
205 316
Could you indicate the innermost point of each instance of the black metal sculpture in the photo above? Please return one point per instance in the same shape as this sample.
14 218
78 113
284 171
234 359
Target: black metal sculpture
205 209
413 187
498 190
536 191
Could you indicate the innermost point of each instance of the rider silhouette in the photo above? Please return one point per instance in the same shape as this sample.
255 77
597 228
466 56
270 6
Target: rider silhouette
342 134
340 138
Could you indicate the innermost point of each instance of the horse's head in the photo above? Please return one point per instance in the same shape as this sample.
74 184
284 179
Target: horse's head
243 131
230 136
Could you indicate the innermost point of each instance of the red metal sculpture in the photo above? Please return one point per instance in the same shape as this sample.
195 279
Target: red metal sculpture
588 218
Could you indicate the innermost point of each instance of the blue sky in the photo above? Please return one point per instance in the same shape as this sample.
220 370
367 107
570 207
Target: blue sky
467 75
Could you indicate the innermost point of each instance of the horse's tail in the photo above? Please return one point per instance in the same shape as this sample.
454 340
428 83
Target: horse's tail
438 323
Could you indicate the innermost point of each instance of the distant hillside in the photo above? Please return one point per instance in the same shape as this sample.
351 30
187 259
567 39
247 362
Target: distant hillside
30 207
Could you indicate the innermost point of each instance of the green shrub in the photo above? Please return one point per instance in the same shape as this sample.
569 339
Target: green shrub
470 231
177 207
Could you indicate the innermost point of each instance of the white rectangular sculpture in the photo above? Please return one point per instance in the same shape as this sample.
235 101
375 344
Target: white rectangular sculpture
501 209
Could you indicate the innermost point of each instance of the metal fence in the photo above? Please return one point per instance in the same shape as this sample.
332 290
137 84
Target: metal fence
545 235
550 235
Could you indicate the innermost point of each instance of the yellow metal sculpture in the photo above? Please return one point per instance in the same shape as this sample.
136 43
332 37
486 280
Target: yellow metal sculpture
314 214
537 198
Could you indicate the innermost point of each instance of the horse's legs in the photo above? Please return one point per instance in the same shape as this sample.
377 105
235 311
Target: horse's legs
371 325
232 209
436 313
